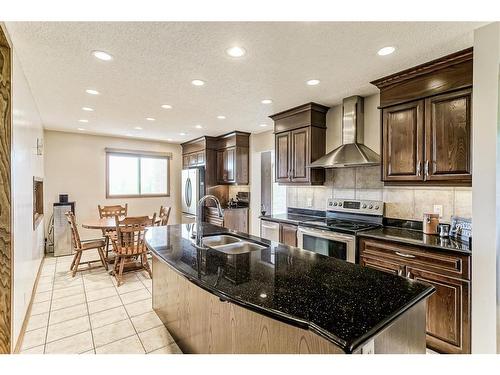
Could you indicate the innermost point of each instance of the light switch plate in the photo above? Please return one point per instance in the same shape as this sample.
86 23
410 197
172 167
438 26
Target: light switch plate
438 209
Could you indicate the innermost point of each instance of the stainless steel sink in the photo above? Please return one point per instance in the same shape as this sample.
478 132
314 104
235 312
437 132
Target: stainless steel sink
218 240
231 245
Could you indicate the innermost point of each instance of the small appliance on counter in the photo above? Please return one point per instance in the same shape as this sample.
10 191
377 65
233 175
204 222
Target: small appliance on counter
430 223
242 200
444 230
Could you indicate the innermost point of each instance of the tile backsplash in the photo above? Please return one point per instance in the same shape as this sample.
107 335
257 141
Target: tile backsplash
400 202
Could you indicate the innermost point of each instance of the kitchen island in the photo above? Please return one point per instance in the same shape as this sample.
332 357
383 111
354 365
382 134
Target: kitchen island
279 299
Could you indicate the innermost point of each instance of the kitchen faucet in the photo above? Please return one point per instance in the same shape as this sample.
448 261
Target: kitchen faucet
199 214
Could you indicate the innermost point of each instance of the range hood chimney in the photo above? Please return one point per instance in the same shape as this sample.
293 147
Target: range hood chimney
352 152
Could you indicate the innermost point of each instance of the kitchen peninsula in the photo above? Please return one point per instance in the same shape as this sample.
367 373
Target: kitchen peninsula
279 299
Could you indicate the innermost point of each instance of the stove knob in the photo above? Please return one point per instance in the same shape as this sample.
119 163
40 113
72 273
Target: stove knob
335 203
340 204
363 206
370 206
376 207
330 203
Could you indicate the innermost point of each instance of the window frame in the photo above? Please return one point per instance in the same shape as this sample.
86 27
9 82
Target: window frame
138 154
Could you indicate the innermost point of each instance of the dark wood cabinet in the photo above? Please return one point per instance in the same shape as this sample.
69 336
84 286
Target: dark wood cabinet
232 159
288 234
403 131
448 309
300 139
426 122
235 218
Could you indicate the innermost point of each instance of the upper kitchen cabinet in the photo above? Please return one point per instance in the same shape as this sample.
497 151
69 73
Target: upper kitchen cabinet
427 123
232 158
300 139
201 152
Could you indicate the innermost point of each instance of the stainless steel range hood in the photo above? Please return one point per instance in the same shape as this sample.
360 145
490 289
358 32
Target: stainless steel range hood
352 152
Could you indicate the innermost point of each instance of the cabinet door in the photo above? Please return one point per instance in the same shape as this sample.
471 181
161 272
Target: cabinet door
289 234
230 164
200 157
282 157
448 312
185 161
448 137
300 155
402 142
221 170
382 265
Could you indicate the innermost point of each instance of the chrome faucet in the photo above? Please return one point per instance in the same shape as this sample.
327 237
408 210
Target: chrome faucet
199 214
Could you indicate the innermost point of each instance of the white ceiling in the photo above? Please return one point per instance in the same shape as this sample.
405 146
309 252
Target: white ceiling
154 64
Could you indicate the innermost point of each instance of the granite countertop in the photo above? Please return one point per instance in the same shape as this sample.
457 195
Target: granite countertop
343 302
415 237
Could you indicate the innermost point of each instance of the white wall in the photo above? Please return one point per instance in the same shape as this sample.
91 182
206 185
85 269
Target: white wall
28 243
76 164
486 182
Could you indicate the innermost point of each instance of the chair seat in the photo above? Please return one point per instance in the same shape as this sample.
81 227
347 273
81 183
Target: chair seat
93 244
123 250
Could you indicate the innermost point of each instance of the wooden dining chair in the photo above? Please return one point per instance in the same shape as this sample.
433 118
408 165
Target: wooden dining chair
129 243
80 246
111 211
163 216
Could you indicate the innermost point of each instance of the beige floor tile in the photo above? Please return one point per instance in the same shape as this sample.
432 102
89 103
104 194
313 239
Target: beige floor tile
98 284
47 287
76 344
35 350
91 351
68 313
48 271
130 287
105 317
127 278
140 307
46 279
66 283
34 338
135 296
66 292
128 345
112 332
94 295
148 283
104 304
49 260
155 338
37 321
146 321
62 303
40 307
42 296
169 349
68 328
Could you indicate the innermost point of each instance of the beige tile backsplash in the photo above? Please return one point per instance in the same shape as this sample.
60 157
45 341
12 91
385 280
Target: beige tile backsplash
400 202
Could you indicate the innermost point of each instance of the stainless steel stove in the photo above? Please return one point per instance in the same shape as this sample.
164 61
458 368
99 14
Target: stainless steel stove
335 235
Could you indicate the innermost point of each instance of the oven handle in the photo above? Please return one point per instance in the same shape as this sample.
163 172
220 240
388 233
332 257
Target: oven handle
325 234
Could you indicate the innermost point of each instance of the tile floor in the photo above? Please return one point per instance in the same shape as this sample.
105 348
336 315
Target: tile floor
89 314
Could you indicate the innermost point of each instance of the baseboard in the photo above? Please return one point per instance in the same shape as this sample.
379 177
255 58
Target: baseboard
20 338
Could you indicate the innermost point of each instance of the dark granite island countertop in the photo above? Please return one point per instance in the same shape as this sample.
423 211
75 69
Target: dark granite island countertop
345 303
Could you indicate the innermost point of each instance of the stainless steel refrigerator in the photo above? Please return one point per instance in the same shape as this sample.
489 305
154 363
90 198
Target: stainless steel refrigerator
193 188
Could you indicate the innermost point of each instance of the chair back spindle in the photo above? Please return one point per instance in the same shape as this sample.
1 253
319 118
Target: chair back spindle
164 215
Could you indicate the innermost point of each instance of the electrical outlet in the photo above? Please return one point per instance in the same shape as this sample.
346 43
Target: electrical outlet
438 209
309 202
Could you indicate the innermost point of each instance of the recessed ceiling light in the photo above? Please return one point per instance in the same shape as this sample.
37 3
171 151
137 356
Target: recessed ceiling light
182 134
101 55
313 82
221 117
150 118
81 129
198 126
88 109
386 51
166 106
137 128
92 92
83 120
198 82
236 51
263 125
266 101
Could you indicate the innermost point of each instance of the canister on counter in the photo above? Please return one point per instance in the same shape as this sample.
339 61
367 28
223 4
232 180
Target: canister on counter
430 223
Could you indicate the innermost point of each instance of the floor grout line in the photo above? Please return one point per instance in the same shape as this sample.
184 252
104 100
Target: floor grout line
88 314
50 307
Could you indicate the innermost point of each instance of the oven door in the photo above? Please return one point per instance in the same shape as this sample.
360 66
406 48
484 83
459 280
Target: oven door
337 245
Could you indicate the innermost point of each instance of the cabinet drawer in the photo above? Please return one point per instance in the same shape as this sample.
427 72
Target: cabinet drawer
454 265
382 265
215 220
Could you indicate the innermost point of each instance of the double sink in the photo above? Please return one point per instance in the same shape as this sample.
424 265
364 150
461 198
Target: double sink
228 244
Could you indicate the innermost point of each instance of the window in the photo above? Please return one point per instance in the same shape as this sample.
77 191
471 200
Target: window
137 174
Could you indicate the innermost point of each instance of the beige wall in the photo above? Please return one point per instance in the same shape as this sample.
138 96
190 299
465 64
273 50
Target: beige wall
364 182
75 164
28 244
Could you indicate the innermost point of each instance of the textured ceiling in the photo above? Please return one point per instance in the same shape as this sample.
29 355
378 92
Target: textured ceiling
154 64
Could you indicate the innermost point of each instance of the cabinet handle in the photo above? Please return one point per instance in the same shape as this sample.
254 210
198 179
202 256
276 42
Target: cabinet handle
405 255
400 272
426 168
408 274
419 167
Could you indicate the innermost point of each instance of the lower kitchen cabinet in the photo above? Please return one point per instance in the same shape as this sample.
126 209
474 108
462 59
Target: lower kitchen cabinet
279 232
235 219
448 309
